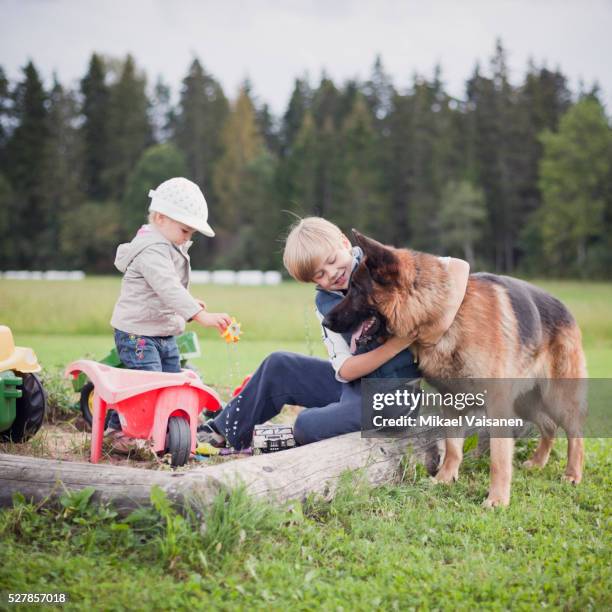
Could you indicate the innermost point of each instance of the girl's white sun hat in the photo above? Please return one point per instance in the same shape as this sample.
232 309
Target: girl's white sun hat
182 200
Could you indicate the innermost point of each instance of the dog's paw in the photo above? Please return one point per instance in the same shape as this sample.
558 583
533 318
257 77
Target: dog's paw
572 478
530 464
446 476
495 502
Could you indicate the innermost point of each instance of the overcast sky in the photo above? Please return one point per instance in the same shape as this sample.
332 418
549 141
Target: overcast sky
274 41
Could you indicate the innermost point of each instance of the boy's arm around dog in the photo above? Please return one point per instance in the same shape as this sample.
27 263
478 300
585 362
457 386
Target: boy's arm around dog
458 273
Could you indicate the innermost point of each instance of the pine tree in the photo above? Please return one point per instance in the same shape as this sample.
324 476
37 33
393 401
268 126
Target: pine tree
96 129
327 104
399 168
157 164
575 175
361 203
379 91
62 174
299 103
462 216
202 111
8 239
300 170
242 143
7 204
25 168
5 110
162 112
497 158
267 126
130 131
541 101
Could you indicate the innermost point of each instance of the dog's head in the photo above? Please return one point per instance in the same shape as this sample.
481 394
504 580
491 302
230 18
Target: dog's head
375 287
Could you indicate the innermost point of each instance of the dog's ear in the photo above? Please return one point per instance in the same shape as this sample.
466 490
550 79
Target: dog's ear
379 259
377 253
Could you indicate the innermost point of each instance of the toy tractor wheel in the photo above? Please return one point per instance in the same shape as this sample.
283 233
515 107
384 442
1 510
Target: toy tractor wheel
29 410
86 404
178 440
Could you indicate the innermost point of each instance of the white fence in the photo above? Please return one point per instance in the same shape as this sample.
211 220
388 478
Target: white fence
48 275
231 277
198 277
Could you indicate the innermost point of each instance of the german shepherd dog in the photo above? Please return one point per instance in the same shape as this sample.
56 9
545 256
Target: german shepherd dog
505 329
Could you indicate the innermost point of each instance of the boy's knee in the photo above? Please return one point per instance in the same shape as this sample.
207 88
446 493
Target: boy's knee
279 360
304 428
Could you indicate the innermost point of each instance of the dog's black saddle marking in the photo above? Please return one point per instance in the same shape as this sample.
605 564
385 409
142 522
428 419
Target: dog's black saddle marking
536 311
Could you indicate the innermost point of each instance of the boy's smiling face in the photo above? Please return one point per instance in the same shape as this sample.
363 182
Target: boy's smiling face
332 273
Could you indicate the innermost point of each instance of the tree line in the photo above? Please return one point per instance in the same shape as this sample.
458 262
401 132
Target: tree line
516 178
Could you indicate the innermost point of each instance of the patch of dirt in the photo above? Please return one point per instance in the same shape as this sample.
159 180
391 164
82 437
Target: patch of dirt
71 441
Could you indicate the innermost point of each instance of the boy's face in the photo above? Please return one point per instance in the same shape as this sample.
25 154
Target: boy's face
178 233
334 270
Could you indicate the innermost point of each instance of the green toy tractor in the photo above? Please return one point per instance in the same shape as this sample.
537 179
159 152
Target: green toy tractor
23 401
189 348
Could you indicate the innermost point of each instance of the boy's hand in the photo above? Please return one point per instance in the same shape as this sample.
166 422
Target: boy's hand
220 320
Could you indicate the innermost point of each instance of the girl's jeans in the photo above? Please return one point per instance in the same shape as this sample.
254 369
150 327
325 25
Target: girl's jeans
153 353
332 407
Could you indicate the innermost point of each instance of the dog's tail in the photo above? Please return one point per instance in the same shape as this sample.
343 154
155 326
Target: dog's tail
568 360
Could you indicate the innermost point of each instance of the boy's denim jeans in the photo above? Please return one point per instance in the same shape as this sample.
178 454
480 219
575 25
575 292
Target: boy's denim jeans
332 407
152 353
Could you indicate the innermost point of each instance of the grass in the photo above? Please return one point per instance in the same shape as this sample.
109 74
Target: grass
65 320
407 545
84 308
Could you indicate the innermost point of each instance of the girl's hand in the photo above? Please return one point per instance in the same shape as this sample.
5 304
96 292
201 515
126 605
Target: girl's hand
220 320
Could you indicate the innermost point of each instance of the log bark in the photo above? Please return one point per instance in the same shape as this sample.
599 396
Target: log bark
289 474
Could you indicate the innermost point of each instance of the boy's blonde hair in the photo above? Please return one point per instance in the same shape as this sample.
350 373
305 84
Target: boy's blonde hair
310 240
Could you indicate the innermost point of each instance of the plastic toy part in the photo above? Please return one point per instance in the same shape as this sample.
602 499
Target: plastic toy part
232 332
272 438
9 392
22 398
205 449
15 357
161 407
30 408
188 345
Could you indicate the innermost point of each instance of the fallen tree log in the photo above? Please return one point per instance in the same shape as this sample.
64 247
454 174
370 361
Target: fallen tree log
290 474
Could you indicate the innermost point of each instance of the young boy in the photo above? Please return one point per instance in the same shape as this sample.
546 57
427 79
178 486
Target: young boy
154 303
317 251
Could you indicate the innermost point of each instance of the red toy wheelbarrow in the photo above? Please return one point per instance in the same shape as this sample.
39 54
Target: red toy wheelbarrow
157 406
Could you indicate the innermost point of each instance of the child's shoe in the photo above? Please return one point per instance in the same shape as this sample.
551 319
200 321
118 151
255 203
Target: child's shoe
208 434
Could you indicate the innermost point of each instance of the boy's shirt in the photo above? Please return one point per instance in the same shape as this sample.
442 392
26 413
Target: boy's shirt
154 298
339 350
337 347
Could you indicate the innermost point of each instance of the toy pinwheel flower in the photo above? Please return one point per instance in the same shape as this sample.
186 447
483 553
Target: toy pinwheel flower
232 332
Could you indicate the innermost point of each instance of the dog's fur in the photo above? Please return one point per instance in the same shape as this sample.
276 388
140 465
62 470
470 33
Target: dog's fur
504 329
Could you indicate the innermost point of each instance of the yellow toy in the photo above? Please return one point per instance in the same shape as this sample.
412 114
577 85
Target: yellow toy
204 448
232 332
23 400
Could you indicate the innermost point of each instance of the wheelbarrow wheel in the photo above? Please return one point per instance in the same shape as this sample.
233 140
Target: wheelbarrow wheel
178 440
29 410
86 404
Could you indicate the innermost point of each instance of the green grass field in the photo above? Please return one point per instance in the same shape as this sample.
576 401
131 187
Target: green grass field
66 320
407 545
